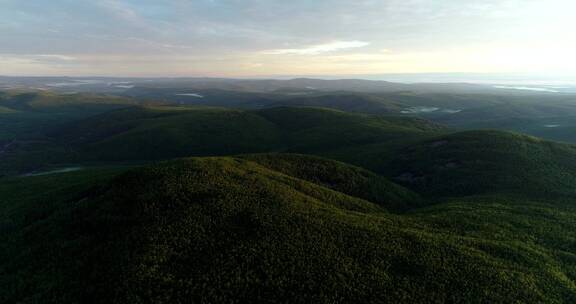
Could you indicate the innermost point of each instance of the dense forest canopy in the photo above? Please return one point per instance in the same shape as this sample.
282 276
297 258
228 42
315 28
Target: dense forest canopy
294 195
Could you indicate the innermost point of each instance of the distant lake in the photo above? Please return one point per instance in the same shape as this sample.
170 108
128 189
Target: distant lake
528 89
190 95
62 170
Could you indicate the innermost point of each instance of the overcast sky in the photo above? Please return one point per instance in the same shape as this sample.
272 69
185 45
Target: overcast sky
285 37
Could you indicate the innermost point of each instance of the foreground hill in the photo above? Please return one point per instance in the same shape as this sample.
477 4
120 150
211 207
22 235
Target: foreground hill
233 230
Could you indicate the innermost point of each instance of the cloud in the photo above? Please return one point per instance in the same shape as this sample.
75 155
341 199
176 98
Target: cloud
225 37
38 58
52 57
24 65
319 48
120 10
37 64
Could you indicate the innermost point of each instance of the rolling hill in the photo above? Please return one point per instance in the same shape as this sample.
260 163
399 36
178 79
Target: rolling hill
547 115
162 132
53 102
357 103
416 153
479 162
425 215
266 228
341 177
25 114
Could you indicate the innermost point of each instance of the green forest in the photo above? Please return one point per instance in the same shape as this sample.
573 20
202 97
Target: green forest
118 199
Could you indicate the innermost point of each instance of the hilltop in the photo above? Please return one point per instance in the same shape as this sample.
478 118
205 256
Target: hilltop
230 229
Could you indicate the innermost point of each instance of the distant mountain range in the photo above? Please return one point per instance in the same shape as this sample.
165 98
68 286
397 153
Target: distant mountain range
106 84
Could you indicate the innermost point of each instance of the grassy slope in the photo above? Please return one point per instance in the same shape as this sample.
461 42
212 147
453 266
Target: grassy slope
230 230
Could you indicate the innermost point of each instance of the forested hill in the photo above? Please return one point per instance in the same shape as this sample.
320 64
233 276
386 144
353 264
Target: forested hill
254 229
148 133
157 203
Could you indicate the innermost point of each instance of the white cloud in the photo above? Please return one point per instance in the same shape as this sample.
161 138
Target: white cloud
319 48
120 10
53 57
10 65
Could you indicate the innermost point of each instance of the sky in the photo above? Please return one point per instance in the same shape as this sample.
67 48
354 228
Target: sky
255 38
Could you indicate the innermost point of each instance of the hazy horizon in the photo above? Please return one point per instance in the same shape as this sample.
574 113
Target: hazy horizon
267 39
408 78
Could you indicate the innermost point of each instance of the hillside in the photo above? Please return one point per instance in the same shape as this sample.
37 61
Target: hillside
344 101
341 177
162 132
152 133
26 115
417 153
552 116
478 162
359 103
54 102
549 116
230 230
